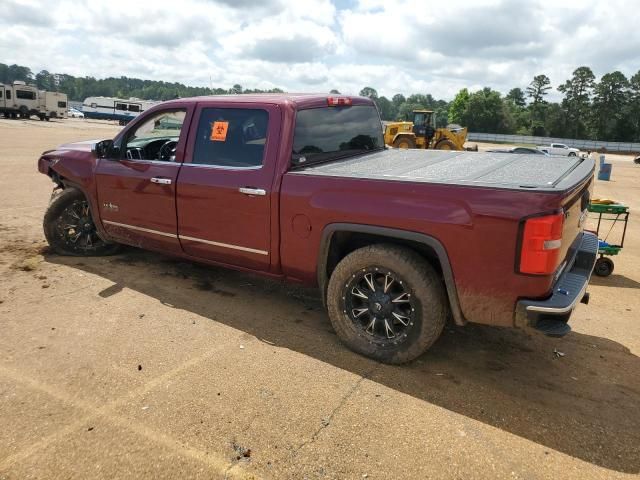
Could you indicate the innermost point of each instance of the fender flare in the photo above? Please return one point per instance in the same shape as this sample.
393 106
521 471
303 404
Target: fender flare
92 208
403 134
433 243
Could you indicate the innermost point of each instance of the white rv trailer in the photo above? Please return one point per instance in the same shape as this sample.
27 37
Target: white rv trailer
52 105
19 99
110 108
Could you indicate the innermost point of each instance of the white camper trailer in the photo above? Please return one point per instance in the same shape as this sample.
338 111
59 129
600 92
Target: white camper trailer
20 100
52 105
110 108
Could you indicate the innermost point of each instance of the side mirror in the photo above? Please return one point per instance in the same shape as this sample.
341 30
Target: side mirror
103 148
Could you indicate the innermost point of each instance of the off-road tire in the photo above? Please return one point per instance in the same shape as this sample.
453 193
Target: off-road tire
404 143
419 279
58 241
445 145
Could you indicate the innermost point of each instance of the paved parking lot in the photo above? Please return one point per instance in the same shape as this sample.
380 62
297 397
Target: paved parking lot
143 366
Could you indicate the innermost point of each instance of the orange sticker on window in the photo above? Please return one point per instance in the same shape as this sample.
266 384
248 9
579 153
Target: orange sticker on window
219 131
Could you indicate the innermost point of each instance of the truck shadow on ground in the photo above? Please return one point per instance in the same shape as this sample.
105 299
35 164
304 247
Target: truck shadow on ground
615 280
584 404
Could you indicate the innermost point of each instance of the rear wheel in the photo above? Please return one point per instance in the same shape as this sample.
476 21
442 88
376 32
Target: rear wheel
387 303
69 227
404 143
604 267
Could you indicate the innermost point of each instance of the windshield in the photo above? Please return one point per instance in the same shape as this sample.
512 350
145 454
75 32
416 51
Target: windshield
329 133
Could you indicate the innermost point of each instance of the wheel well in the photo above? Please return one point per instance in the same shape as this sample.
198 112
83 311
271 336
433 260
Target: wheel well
343 243
341 239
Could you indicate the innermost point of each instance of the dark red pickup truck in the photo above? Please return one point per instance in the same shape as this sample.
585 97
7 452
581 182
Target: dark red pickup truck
301 187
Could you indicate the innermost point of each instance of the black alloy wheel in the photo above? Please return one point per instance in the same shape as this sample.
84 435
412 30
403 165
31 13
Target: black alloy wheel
378 303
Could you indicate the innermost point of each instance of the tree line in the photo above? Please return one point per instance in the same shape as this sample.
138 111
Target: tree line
604 109
79 88
608 109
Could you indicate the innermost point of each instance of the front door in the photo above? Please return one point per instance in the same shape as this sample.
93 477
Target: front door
225 185
137 186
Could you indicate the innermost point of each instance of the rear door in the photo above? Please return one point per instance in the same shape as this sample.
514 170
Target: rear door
225 187
137 186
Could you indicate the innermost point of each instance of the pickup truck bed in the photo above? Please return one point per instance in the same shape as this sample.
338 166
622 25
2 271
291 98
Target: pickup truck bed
530 172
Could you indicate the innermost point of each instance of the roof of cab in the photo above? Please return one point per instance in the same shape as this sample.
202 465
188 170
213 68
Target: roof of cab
298 100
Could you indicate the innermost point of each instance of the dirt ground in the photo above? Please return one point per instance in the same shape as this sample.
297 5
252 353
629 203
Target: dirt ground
143 366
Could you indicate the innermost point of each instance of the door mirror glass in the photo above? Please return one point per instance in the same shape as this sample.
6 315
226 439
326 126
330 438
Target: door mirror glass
103 148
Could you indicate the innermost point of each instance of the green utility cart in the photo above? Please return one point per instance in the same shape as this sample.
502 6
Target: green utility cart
608 214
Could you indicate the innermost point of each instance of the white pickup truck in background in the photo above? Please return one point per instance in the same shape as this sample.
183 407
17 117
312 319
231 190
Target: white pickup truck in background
559 149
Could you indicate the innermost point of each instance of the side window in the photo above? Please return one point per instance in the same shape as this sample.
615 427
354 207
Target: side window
0 93
62 104
156 138
25 95
121 106
134 108
231 137
8 95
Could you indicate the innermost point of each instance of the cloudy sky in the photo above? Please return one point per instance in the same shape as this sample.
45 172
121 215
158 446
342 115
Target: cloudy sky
394 46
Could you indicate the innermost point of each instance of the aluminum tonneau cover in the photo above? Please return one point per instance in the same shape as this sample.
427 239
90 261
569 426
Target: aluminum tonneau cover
481 169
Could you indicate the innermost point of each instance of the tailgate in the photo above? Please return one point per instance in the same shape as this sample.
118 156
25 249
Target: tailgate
575 206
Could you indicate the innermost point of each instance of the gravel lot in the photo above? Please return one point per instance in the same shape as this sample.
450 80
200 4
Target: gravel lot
144 366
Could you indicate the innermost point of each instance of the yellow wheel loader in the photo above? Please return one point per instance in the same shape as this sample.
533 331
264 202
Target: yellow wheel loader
421 133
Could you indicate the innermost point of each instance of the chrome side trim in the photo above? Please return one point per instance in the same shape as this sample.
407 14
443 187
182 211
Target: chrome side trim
140 229
220 167
224 245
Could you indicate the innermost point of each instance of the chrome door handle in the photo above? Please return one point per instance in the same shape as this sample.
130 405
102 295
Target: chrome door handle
252 191
161 181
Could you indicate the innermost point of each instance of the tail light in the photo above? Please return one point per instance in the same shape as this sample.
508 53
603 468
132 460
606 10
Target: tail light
338 101
541 242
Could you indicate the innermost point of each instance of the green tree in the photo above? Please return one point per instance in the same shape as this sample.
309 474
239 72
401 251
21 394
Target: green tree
633 107
236 89
516 95
334 92
538 88
485 112
386 108
536 91
459 106
577 100
609 103
397 100
45 81
369 92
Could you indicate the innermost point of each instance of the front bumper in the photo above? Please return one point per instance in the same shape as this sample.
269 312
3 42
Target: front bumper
552 314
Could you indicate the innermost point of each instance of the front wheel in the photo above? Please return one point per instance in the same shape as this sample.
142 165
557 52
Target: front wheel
387 303
69 227
445 145
572 154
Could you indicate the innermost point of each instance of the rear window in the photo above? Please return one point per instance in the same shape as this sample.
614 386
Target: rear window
335 132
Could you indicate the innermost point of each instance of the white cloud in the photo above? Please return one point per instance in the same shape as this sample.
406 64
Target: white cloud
315 45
